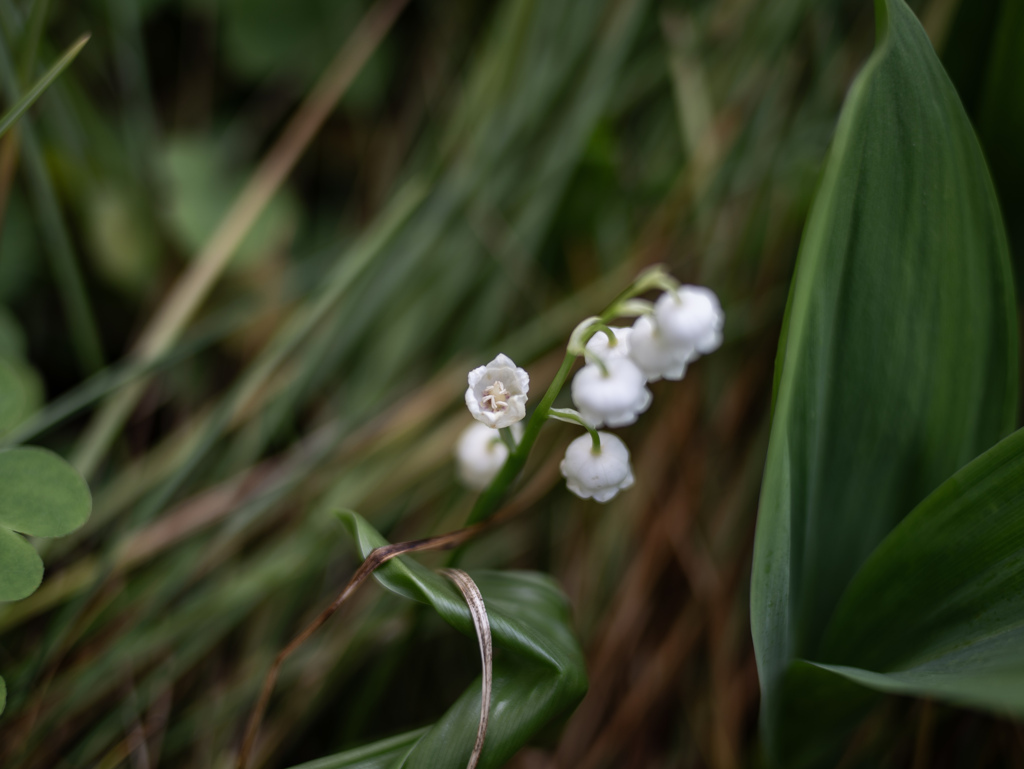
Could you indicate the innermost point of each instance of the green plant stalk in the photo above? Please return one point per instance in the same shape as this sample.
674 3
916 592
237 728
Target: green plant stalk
572 417
82 325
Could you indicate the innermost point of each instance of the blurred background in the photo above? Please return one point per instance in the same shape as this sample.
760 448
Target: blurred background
249 251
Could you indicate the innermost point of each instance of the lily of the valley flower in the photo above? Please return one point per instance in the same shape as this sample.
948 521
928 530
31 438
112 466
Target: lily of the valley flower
480 454
655 355
692 316
611 394
497 393
598 474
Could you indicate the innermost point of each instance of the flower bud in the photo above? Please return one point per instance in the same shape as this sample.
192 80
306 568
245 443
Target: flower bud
480 454
612 396
600 474
497 393
692 316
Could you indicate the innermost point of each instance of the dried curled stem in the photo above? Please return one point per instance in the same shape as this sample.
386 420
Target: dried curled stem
375 559
477 609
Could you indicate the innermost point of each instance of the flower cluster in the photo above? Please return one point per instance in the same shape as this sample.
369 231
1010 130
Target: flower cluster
610 390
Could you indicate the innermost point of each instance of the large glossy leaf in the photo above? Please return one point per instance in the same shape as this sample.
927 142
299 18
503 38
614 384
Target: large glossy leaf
539 670
940 603
899 361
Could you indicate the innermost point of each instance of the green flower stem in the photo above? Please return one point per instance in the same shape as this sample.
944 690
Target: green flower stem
507 438
488 501
573 417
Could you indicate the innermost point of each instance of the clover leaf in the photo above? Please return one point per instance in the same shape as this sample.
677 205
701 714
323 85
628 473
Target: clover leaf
41 495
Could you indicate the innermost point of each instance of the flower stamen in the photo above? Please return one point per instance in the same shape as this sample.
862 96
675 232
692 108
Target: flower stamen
496 397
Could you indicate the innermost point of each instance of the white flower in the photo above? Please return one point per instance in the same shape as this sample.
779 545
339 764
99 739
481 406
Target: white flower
480 454
600 347
600 475
613 397
497 392
692 317
657 356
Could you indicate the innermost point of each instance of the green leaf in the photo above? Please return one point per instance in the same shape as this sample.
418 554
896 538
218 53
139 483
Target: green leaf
41 85
939 604
539 670
379 755
899 361
43 496
3 694
21 568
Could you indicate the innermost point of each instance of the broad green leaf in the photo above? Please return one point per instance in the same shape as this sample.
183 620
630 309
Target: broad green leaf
935 611
3 695
939 605
539 670
40 495
21 568
37 89
379 755
899 361
43 496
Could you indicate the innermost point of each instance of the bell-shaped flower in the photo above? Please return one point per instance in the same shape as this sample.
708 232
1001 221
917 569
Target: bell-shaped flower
655 355
598 474
600 345
480 454
612 394
692 316
497 392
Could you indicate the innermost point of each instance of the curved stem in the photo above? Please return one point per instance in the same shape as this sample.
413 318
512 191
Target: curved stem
575 418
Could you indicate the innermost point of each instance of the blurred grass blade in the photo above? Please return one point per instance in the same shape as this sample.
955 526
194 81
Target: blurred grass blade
380 755
41 84
899 361
192 288
936 609
538 675
30 38
80 321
